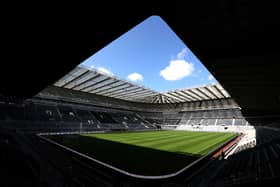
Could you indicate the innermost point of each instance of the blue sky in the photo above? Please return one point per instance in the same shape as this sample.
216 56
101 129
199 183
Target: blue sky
151 55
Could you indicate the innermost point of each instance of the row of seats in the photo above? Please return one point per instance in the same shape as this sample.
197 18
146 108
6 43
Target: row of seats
225 117
15 162
260 163
265 135
202 121
43 164
51 118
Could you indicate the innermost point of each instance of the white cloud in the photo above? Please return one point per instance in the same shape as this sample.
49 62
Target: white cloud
135 77
210 77
91 67
177 70
105 71
182 53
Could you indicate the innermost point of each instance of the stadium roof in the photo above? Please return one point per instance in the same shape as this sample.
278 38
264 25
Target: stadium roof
92 81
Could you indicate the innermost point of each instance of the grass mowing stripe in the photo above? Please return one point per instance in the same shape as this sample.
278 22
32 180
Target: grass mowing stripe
205 141
154 143
215 144
184 145
176 141
129 134
151 136
159 145
171 141
122 136
155 139
149 139
161 151
175 136
132 140
206 144
129 139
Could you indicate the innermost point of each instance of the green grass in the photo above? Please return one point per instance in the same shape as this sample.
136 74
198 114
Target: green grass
146 153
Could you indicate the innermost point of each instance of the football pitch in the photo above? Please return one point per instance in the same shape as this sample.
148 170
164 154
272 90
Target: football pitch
146 153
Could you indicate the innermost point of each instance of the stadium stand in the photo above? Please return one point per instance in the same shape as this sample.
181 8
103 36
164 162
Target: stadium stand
74 112
248 166
70 113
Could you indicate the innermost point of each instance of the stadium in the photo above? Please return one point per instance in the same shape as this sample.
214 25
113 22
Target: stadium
65 124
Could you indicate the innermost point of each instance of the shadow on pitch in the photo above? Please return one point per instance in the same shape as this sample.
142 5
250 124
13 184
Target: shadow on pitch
131 158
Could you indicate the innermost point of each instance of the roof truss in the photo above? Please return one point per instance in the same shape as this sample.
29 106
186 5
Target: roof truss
91 81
